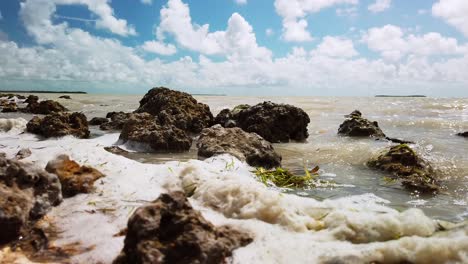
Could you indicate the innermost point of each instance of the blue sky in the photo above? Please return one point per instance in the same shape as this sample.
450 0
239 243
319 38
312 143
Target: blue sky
238 47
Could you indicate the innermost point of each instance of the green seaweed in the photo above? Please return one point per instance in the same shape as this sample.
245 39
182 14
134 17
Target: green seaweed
282 177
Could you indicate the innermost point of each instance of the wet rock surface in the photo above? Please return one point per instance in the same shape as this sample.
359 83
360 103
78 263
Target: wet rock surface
44 107
176 108
23 153
10 107
97 121
357 126
169 230
59 125
227 118
117 120
26 194
145 128
116 150
74 178
413 172
65 97
463 134
245 146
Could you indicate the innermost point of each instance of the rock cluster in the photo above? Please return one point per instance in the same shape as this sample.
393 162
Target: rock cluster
74 178
413 172
357 126
9 107
59 125
169 230
274 122
26 194
117 121
44 107
245 146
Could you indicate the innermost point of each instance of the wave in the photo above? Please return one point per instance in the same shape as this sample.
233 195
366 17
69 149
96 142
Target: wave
13 125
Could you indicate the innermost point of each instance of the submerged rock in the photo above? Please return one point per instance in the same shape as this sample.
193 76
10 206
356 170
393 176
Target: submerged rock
32 99
413 172
116 150
177 108
169 230
44 107
144 128
357 126
26 194
463 134
65 97
97 121
243 145
23 153
59 125
74 178
10 108
117 121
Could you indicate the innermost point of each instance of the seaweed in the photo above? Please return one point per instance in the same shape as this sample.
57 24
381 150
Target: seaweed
282 177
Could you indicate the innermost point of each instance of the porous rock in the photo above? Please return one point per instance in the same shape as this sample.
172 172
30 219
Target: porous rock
357 126
59 125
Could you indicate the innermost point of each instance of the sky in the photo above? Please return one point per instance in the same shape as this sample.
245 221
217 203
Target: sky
237 47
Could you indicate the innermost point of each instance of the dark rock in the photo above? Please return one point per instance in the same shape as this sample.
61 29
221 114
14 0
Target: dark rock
74 178
169 230
357 126
464 134
117 122
44 107
59 125
243 145
115 150
23 153
10 108
413 172
32 99
273 122
65 97
97 121
144 128
177 108
26 194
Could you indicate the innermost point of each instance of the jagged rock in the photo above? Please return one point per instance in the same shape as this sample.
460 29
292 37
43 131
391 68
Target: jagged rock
115 150
44 107
177 108
117 120
23 153
169 230
31 99
243 145
97 121
65 97
273 122
357 126
26 194
74 178
59 125
463 134
144 128
10 108
403 163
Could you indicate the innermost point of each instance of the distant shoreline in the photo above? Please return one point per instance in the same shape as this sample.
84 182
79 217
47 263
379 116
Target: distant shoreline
416 95
52 92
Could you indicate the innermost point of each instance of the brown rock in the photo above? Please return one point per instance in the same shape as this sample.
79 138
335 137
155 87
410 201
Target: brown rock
117 120
59 125
15 206
169 230
44 107
23 153
357 126
97 121
10 108
74 178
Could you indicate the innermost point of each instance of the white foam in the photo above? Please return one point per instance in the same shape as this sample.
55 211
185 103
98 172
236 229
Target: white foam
13 125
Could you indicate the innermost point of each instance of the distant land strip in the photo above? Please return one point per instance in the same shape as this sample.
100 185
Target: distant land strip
415 95
54 92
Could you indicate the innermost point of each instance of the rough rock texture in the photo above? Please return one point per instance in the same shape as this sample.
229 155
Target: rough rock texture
117 120
32 99
59 125
97 121
26 194
10 107
23 153
115 150
74 178
65 97
227 118
413 172
357 126
273 122
44 107
243 145
169 230
464 134
177 108
144 128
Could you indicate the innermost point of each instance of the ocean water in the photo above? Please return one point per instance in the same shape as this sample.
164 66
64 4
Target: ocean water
362 219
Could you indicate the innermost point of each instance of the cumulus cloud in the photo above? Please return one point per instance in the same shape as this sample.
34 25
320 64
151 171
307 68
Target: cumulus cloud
454 12
237 41
335 47
159 48
294 14
379 6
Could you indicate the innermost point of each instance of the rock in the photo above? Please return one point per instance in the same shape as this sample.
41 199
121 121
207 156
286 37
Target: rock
169 230
59 125
26 194
97 121
74 178
65 97
23 153
273 122
413 172
178 108
115 150
357 126
144 128
44 107
117 122
31 99
10 108
243 145
464 134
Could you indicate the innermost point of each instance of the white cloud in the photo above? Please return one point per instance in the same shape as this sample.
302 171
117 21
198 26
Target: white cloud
269 32
379 6
238 41
454 12
3 36
335 47
147 2
393 43
294 14
159 48
241 2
